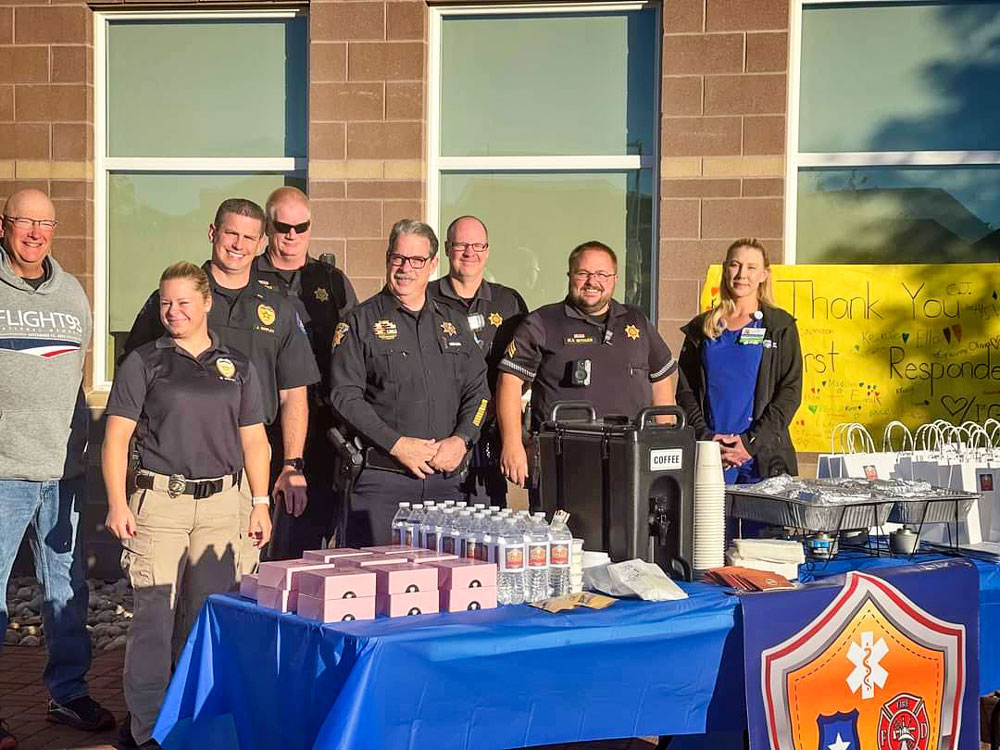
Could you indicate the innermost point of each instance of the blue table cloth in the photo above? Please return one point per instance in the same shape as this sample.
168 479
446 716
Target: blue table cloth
509 677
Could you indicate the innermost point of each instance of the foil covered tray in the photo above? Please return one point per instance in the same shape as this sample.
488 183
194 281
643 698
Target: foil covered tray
805 514
938 509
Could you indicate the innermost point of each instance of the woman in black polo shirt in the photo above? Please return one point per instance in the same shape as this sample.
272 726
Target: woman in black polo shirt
195 409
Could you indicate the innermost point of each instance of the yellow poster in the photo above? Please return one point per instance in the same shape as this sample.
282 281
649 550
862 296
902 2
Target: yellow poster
908 342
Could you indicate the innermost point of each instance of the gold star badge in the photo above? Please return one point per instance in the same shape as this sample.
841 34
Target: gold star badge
266 314
495 319
339 333
632 332
449 328
321 294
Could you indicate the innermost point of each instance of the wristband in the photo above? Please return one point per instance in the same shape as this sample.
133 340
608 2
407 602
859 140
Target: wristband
261 500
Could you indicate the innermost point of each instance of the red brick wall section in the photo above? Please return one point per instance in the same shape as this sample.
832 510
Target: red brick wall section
724 93
366 130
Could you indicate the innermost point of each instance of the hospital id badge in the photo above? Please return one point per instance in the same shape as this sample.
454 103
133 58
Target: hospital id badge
752 336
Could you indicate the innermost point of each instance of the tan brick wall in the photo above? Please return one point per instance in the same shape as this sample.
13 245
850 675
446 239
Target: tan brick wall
366 130
724 93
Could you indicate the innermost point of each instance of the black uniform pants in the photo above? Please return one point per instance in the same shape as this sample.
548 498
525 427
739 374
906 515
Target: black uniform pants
486 485
376 497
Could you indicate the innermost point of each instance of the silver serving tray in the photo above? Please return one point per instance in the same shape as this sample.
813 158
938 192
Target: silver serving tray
940 509
810 516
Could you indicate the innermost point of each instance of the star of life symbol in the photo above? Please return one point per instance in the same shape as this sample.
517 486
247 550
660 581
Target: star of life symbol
868 672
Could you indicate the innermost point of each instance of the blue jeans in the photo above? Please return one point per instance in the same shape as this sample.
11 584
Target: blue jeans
51 511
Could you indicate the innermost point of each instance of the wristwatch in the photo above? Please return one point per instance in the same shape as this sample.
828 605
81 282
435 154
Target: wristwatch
296 463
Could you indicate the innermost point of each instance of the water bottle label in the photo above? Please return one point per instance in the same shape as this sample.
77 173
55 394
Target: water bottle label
397 534
559 554
482 552
511 558
448 545
409 536
431 540
538 555
471 549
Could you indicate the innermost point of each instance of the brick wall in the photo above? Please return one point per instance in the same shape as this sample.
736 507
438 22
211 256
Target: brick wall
366 129
724 95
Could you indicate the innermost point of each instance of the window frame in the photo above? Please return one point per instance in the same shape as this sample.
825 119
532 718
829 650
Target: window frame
104 164
438 164
796 160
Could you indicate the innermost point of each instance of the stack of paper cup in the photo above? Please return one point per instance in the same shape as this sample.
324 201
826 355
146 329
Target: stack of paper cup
576 568
709 507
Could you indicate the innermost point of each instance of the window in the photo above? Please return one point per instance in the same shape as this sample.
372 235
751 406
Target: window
897 151
192 108
544 123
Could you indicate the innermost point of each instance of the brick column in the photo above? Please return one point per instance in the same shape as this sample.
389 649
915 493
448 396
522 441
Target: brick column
724 95
366 128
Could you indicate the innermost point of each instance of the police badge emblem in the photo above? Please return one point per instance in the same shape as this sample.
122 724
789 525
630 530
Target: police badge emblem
385 330
632 332
321 294
495 319
225 367
339 333
449 328
266 314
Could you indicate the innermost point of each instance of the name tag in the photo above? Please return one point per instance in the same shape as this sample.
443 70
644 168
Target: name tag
666 459
579 338
752 336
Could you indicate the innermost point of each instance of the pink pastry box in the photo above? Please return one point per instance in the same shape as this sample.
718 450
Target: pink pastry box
339 583
465 574
248 585
461 600
282 600
428 556
390 549
283 574
336 610
372 561
401 605
405 579
332 555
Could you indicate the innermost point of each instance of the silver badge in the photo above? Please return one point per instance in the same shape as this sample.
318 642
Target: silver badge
175 485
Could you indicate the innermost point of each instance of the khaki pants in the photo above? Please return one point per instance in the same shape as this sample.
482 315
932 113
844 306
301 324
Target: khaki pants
185 549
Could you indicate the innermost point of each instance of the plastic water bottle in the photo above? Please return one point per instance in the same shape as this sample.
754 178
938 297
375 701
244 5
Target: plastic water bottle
560 555
479 506
461 505
495 509
400 522
494 524
430 526
510 562
448 516
414 521
538 559
451 539
472 539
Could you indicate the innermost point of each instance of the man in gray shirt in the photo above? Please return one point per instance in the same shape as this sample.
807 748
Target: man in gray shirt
45 326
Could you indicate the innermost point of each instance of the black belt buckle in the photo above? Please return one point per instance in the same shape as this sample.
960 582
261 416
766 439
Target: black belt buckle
175 485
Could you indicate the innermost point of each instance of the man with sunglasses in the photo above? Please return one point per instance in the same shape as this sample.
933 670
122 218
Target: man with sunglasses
589 347
409 383
493 312
322 295
45 326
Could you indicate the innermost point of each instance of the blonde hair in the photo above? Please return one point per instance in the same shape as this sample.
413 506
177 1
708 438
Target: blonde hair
187 270
726 306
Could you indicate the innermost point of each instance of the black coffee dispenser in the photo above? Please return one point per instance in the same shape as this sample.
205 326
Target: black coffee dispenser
628 485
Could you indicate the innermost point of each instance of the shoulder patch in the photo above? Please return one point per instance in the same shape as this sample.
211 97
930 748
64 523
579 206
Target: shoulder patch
300 324
341 330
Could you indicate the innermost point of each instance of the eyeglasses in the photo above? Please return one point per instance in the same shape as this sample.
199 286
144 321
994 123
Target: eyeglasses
479 247
282 228
21 222
600 276
416 261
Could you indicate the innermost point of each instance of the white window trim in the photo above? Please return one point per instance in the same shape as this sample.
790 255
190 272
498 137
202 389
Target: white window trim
437 164
103 164
796 160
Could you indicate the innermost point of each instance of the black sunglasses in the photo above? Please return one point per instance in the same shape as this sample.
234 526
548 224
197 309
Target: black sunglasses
283 228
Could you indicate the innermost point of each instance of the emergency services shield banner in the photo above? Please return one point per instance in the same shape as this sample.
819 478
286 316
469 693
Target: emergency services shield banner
866 661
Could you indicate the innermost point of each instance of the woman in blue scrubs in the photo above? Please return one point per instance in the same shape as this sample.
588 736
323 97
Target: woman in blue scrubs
741 370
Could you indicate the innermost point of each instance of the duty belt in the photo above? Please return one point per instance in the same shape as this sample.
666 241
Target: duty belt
376 459
176 485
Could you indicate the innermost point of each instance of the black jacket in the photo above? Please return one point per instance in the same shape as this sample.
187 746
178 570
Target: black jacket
777 395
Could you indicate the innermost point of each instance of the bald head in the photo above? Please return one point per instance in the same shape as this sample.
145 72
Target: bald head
27 228
289 228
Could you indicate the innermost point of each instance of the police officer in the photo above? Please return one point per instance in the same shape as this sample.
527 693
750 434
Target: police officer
587 347
263 324
195 409
493 312
410 382
322 295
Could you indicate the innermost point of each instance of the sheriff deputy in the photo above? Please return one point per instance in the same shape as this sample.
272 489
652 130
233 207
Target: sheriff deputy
493 311
588 347
410 383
